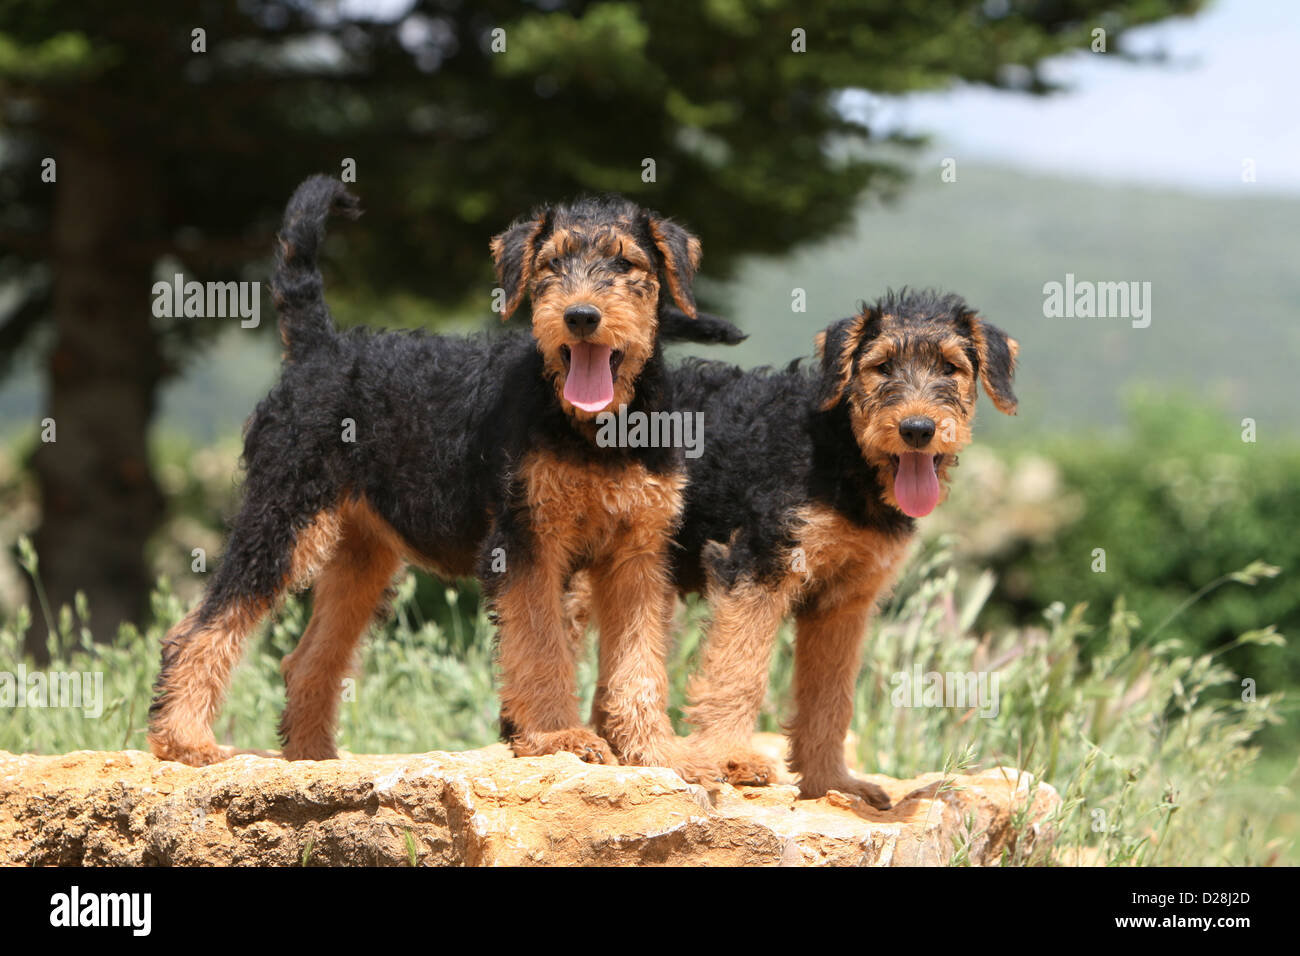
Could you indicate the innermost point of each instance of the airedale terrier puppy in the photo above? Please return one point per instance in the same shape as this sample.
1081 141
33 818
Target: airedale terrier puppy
464 456
803 503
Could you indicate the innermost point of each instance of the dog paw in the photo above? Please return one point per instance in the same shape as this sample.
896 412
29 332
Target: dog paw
745 767
579 741
193 754
808 789
321 750
738 767
705 774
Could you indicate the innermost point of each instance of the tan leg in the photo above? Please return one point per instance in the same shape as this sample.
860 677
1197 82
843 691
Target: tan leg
345 598
201 651
827 646
198 659
632 599
538 657
728 690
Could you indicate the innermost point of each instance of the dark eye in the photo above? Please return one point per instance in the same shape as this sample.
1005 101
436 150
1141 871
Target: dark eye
623 265
885 368
554 264
949 368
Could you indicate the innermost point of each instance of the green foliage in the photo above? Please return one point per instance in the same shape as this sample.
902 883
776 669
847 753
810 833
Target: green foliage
1134 737
607 42
454 137
188 123
53 58
1153 768
1177 504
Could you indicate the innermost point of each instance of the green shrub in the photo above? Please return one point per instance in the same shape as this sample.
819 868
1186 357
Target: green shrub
1175 504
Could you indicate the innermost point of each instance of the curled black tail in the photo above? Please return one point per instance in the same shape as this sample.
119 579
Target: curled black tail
297 287
676 326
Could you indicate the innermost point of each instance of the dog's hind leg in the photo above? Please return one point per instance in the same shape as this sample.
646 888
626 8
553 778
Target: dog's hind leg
345 597
727 692
266 556
578 609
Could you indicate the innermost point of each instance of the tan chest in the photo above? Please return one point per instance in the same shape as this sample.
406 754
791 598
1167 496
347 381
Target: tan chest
582 506
840 556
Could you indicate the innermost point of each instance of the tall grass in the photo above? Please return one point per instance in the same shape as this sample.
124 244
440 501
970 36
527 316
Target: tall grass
1146 760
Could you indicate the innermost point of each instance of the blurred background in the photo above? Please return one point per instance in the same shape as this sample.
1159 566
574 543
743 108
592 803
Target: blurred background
841 148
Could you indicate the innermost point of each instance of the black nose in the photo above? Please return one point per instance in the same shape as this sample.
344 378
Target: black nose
582 319
917 430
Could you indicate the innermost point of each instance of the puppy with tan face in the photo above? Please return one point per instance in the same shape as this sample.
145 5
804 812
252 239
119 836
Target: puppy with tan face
907 376
803 503
594 271
600 274
464 456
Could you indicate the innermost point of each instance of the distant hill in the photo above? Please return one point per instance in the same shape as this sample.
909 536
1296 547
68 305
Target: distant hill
1225 275
1225 296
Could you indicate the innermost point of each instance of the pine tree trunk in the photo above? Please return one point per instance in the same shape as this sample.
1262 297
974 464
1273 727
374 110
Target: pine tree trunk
99 502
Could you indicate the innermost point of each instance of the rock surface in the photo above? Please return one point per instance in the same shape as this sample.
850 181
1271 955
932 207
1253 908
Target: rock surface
485 807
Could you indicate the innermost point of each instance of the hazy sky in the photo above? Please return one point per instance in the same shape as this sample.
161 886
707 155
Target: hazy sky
1229 92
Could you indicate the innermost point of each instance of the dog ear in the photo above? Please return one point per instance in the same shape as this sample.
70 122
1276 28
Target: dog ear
512 254
836 348
680 252
997 354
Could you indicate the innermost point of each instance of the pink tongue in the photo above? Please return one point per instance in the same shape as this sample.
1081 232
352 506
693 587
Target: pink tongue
589 384
916 486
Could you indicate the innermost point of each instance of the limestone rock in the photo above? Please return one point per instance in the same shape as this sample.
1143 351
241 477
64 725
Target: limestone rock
484 807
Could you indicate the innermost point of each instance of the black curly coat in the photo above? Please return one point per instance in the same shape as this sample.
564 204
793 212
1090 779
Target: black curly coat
440 423
793 509
429 432
767 451
772 445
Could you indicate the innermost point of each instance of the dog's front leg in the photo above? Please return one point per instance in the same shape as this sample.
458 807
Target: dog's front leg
539 704
827 646
633 602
